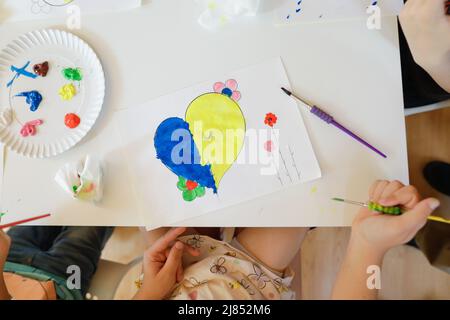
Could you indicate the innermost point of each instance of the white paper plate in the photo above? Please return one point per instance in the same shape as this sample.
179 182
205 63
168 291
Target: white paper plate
61 49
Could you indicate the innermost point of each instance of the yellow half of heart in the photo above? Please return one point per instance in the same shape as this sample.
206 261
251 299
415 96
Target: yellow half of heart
218 126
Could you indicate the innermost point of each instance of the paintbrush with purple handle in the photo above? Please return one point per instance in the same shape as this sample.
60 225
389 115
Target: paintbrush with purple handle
330 120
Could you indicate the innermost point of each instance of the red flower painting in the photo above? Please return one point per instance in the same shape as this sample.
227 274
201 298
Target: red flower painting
270 119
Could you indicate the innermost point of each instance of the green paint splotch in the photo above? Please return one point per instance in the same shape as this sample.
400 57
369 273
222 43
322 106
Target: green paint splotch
73 74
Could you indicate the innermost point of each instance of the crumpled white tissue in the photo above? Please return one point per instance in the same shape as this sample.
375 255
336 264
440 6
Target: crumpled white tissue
218 12
82 180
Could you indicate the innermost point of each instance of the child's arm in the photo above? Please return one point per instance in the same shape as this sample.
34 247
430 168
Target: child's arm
427 29
373 234
5 243
163 266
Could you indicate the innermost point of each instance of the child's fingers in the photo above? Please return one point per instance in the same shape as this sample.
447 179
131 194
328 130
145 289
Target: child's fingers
392 187
166 253
180 272
372 188
166 240
408 197
174 259
416 218
192 251
378 190
5 238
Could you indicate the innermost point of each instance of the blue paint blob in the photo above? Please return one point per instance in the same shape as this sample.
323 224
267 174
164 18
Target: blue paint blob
34 99
227 92
176 149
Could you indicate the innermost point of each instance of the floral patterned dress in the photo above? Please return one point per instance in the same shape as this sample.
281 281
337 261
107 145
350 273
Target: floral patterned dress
223 272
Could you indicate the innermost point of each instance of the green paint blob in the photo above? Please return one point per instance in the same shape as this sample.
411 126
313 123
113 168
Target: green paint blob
189 195
73 74
181 185
200 191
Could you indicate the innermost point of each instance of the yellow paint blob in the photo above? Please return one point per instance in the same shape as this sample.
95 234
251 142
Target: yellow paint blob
212 5
67 92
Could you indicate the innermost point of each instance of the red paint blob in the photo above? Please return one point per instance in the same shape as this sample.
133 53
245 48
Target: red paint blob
71 120
191 185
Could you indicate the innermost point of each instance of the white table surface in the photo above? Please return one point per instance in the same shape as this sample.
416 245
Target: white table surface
347 69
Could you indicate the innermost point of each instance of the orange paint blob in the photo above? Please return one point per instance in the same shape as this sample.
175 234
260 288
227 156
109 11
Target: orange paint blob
71 120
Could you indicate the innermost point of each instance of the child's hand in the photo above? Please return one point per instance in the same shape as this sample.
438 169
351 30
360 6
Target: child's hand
5 243
163 266
381 232
427 29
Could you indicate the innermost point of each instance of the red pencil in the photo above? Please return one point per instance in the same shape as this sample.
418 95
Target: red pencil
12 224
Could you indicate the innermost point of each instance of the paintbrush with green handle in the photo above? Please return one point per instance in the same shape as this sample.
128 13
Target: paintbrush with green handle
394 211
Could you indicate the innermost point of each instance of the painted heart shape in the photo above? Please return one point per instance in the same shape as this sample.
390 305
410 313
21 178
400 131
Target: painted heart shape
200 150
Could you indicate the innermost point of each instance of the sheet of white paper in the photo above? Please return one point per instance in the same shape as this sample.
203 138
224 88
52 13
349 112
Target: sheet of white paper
158 197
310 11
18 10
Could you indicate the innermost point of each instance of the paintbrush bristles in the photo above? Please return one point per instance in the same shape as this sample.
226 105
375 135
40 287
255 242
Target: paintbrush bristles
286 91
362 204
290 94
